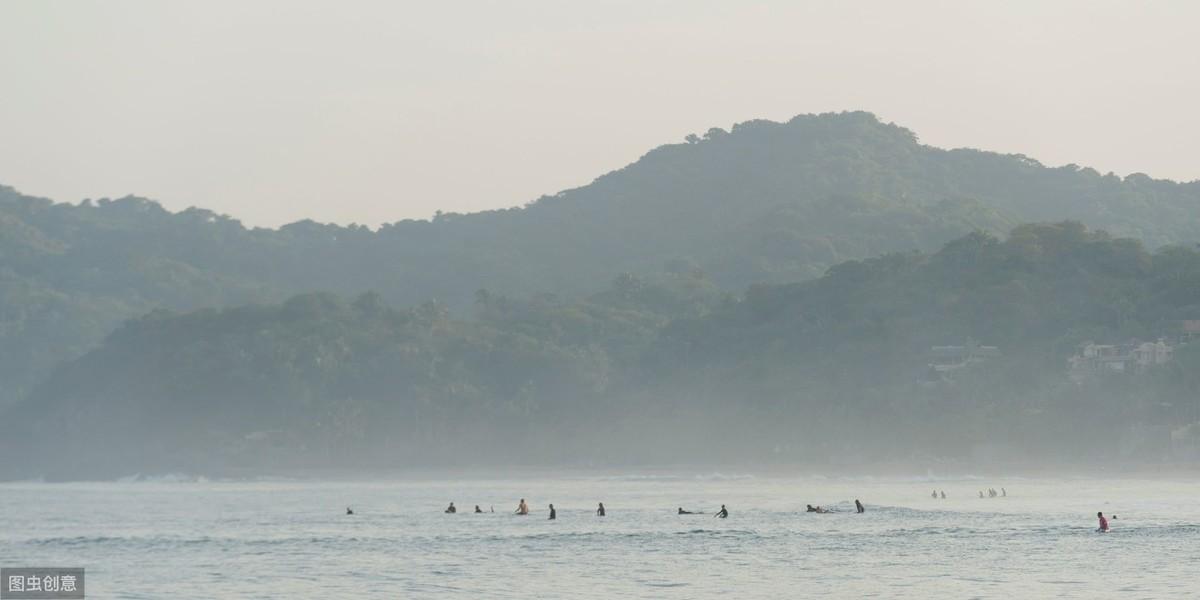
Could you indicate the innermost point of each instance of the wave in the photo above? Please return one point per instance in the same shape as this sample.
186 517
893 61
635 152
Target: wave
162 478
661 477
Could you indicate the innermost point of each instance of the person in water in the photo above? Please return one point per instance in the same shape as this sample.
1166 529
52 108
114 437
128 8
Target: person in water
522 508
553 515
1103 523
934 495
859 507
723 514
477 509
450 509
600 511
810 508
980 493
1004 492
687 512
348 511
943 494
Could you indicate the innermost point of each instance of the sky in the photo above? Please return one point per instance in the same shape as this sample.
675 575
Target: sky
370 112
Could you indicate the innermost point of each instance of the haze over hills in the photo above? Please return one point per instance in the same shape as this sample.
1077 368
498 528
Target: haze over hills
695 223
835 371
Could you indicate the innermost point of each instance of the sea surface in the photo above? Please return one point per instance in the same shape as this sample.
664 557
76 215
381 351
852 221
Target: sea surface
193 538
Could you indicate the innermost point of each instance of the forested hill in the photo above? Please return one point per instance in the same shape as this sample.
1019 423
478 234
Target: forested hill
762 202
661 370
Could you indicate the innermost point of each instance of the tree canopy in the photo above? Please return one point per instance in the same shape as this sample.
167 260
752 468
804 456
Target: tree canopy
763 202
658 368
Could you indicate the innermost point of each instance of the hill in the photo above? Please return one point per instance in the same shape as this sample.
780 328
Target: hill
763 202
832 370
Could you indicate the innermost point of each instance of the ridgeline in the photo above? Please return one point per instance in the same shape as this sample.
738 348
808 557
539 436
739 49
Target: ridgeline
778 286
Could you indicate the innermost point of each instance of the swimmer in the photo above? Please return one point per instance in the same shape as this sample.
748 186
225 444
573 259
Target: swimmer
858 505
477 509
722 513
686 512
450 509
522 508
600 511
810 508
1103 523
553 515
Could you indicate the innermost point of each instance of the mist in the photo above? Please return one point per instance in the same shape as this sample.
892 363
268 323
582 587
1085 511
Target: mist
866 304
653 299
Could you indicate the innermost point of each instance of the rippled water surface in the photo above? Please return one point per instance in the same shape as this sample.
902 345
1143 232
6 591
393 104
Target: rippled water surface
291 539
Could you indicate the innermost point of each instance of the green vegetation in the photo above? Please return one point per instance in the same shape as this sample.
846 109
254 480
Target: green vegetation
772 290
762 203
651 369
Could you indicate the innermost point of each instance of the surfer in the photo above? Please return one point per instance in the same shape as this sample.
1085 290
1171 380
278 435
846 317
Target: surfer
522 508
934 495
477 509
348 511
980 493
600 511
1103 523
687 512
553 515
858 506
722 513
1003 492
450 509
943 494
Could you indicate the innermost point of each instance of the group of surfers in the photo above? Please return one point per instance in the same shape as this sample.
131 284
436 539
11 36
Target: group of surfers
523 509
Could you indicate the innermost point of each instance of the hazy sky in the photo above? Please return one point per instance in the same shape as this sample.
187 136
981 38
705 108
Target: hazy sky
375 111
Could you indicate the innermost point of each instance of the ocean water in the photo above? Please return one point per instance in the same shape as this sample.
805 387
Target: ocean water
182 538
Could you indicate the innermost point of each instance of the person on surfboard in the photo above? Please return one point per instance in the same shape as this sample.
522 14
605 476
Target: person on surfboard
522 508
553 515
722 513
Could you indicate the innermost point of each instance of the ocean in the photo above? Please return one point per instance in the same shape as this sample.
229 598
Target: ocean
181 537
